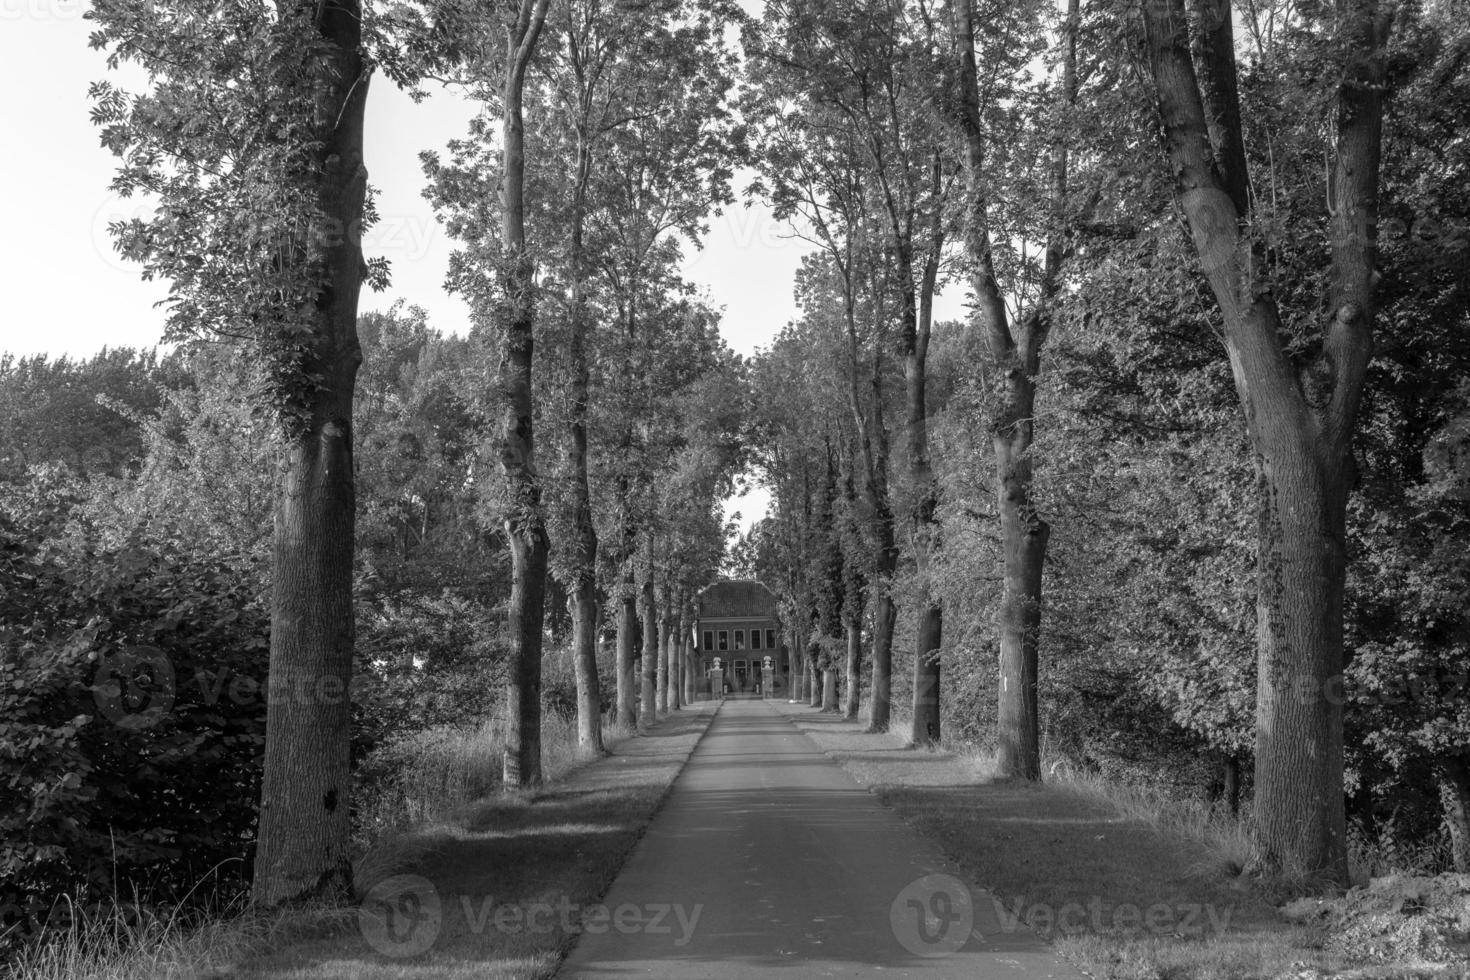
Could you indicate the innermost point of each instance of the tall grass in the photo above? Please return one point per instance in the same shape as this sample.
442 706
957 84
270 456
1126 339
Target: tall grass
431 775
131 941
1224 839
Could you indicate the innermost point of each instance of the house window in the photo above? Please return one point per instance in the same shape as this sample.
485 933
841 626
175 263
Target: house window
755 639
709 639
770 639
740 639
724 639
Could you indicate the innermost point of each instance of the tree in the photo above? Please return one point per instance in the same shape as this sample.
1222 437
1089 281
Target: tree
1300 410
1013 360
870 65
495 270
261 200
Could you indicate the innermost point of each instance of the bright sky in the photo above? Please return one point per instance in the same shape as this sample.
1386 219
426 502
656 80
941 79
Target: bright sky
67 292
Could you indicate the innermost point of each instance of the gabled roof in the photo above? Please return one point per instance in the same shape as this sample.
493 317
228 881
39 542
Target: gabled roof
734 598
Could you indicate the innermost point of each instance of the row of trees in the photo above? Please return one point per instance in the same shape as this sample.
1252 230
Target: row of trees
1114 184
604 142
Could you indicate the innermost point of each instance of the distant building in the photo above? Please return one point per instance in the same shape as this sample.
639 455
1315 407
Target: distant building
736 621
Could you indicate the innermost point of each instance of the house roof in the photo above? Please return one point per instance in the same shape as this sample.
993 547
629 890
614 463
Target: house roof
737 598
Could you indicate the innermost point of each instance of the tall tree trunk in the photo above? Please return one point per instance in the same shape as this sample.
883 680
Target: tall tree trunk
525 526
793 666
676 659
885 616
1300 418
691 657
852 692
1014 359
813 684
302 844
1454 794
648 694
873 441
584 533
927 633
627 706
829 688
665 640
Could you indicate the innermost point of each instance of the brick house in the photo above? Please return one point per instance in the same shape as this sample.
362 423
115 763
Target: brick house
736 621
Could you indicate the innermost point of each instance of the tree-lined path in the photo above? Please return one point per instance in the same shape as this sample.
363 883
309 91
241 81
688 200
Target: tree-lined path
771 858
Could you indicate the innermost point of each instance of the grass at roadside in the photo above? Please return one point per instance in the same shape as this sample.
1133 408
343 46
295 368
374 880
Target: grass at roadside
1125 888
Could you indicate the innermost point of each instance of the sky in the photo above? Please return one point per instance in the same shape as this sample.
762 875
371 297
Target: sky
67 292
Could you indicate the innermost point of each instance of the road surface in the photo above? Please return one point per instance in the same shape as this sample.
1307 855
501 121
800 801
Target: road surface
768 858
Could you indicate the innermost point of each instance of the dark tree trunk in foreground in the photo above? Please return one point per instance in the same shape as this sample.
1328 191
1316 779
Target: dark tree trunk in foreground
1454 794
1300 413
647 692
627 706
525 526
302 844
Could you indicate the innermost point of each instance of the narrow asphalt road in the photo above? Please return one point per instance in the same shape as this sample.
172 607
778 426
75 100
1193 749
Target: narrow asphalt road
768 857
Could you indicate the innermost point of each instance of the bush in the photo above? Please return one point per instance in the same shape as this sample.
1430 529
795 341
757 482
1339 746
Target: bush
132 711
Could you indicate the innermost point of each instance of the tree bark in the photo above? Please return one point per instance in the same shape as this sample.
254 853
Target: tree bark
852 691
665 641
885 616
1230 784
525 526
829 689
648 692
677 653
1300 418
627 706
1454 794
303 840
925 729
584 533
813 687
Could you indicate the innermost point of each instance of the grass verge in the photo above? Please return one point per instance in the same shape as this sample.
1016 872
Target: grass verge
1127 886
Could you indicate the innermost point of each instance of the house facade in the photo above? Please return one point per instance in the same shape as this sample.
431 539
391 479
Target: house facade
736 623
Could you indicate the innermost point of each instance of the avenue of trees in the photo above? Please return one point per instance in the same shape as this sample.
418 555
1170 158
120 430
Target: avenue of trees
1185 488
1182 499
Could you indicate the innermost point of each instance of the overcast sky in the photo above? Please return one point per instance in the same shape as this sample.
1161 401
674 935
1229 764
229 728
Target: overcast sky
67 291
